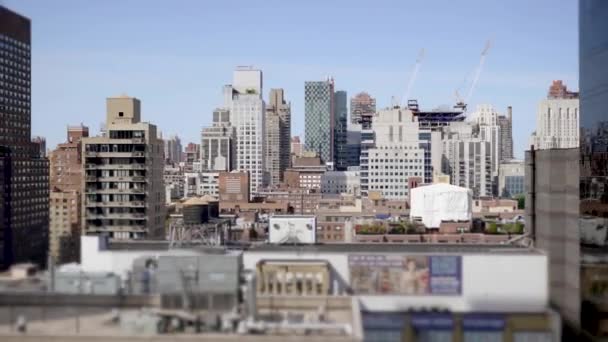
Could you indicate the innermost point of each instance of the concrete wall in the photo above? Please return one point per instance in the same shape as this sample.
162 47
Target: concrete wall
490 282
552 211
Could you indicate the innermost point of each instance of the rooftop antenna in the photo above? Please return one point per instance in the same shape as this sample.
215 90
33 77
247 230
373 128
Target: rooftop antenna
413 75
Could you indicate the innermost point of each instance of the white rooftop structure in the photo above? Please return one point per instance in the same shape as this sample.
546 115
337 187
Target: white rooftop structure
440 202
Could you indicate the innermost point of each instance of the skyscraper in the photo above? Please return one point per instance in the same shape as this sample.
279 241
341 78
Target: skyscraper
320 118
218 143
124 194
247 109
340 128
362 108
24 190
506 135
65 197
557 121
173 150
593 205
278 133
489 130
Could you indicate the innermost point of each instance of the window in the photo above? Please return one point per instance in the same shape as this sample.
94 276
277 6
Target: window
121 114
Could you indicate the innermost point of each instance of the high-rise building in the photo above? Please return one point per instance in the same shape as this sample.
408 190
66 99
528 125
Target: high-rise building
173 150
65 214
506 135
557 121
468 162
247 109
320 119
278 135
489 130
24 187
218 143
124 194
353 145
396 155
593 205
362 108
340 130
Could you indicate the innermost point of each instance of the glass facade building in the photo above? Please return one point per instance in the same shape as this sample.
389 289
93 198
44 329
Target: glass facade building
593 87
320 118
24 173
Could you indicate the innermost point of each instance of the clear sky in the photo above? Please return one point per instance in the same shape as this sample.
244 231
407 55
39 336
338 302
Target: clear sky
176 55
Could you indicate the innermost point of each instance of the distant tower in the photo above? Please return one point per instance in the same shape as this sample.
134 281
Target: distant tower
278 134
320 118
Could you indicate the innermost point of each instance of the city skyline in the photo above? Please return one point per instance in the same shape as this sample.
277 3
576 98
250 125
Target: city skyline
180 78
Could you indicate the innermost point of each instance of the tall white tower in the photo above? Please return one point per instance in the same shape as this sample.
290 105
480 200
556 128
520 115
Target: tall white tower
247 109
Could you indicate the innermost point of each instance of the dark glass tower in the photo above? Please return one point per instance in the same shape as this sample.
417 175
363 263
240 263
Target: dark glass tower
24 188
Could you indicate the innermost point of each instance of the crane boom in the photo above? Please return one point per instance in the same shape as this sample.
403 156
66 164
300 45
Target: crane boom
410 83
484 53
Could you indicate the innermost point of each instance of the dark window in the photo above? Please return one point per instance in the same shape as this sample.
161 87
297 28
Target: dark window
121 114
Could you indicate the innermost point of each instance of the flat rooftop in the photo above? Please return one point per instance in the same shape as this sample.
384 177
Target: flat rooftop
395 248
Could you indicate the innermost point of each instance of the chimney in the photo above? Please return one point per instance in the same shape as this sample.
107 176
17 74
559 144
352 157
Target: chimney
510 114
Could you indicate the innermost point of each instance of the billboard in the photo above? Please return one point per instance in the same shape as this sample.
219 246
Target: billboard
406 274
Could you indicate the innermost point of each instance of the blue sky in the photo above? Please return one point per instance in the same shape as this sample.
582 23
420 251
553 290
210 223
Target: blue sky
176 55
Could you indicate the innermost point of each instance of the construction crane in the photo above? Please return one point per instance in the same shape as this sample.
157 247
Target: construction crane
462 102
413 75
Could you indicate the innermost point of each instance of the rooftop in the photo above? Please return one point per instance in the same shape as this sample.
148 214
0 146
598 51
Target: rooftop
395 248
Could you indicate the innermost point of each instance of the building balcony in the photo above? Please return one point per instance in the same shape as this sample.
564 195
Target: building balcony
112 216
115 166
91 178
114 191
133 204
109 228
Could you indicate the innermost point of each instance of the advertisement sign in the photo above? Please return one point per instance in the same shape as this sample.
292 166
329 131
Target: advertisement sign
405 274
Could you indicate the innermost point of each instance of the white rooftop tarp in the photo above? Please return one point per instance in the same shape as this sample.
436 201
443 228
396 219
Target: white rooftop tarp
440 202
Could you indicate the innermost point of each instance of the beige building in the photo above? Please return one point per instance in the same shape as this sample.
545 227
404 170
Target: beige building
123 185
278 133
64 205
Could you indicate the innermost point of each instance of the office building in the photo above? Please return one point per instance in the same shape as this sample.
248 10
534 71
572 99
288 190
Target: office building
173 150
396 155
511 178
353 145
362 108
218 147
278 135
593 74
557 119
340 130
506 135
124 193
24 187
65 213
247 114
320 122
